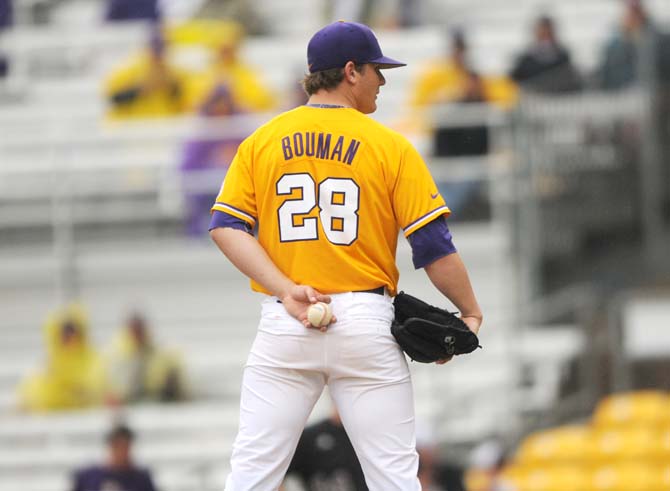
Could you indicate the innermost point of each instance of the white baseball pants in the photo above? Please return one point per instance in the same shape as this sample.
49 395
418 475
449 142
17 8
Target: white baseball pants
368 380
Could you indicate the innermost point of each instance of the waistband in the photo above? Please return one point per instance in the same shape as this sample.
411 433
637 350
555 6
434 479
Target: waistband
376 291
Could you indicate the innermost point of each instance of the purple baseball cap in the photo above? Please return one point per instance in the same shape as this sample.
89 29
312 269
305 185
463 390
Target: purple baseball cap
341 42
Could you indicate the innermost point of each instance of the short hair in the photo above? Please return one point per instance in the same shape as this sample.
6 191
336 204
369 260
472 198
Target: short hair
120 431
325 79
458 39
545 20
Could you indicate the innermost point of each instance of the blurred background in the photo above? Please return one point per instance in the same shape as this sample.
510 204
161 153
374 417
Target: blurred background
546 125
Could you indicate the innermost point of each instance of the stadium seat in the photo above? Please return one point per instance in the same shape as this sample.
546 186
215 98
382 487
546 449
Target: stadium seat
664 445
538 478
559 445
546 478
511 476
643 408
626 477
619 444
664 475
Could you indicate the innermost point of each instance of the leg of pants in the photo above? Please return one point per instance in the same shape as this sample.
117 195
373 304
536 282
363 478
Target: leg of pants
275 404
282 381
372 389
383 436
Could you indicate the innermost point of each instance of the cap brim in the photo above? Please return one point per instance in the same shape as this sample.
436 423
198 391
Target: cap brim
386 62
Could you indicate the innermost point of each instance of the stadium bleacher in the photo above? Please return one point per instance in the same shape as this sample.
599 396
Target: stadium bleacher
200 316
623 447
54 146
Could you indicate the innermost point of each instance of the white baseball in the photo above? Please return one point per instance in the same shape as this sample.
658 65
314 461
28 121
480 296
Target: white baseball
319 314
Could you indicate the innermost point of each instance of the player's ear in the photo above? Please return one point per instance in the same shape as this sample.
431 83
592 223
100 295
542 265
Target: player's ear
350 72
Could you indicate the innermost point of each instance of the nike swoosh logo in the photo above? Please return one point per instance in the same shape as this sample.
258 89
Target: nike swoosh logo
434 195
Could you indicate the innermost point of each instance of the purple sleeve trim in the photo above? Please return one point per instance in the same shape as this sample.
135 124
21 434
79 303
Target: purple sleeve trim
224 220
441 210
431 242
225 205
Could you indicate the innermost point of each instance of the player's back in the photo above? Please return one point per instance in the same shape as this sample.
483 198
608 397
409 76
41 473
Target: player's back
325 189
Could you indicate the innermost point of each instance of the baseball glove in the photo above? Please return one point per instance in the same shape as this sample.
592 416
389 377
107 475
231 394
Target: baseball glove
428 334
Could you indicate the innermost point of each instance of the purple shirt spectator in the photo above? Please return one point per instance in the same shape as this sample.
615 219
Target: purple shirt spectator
119 472
6 20
204 156
98 478
121 10
6 14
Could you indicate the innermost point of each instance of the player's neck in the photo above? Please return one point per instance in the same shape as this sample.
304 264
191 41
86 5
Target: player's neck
324 98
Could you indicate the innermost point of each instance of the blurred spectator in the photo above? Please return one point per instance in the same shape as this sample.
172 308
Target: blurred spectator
453 80
456 141
140 370
405 13
449 475
125 10
227 68
73 376
350 10
245 12
485 465
6 21
473 88
4 65
6 14
639 51
619 67
206 157
459 141
409 13
119 472
325 458
545 66
297 95
149 86
449 80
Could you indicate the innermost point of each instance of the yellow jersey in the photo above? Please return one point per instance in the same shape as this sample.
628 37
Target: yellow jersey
444 81
330 189
245 85
159 102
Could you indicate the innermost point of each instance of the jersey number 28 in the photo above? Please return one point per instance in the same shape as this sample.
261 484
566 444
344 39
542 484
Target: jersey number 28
338 201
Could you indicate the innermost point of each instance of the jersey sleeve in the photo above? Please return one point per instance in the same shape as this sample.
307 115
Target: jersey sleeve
416 200
237 196
431 242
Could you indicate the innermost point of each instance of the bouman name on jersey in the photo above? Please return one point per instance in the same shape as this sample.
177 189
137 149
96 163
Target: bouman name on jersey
324 146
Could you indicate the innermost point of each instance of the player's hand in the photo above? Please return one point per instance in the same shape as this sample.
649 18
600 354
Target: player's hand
299 298
474 323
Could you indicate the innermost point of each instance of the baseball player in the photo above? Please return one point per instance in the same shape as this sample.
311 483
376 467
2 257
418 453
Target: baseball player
329 189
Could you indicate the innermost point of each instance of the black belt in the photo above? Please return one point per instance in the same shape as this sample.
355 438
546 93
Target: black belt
376 291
